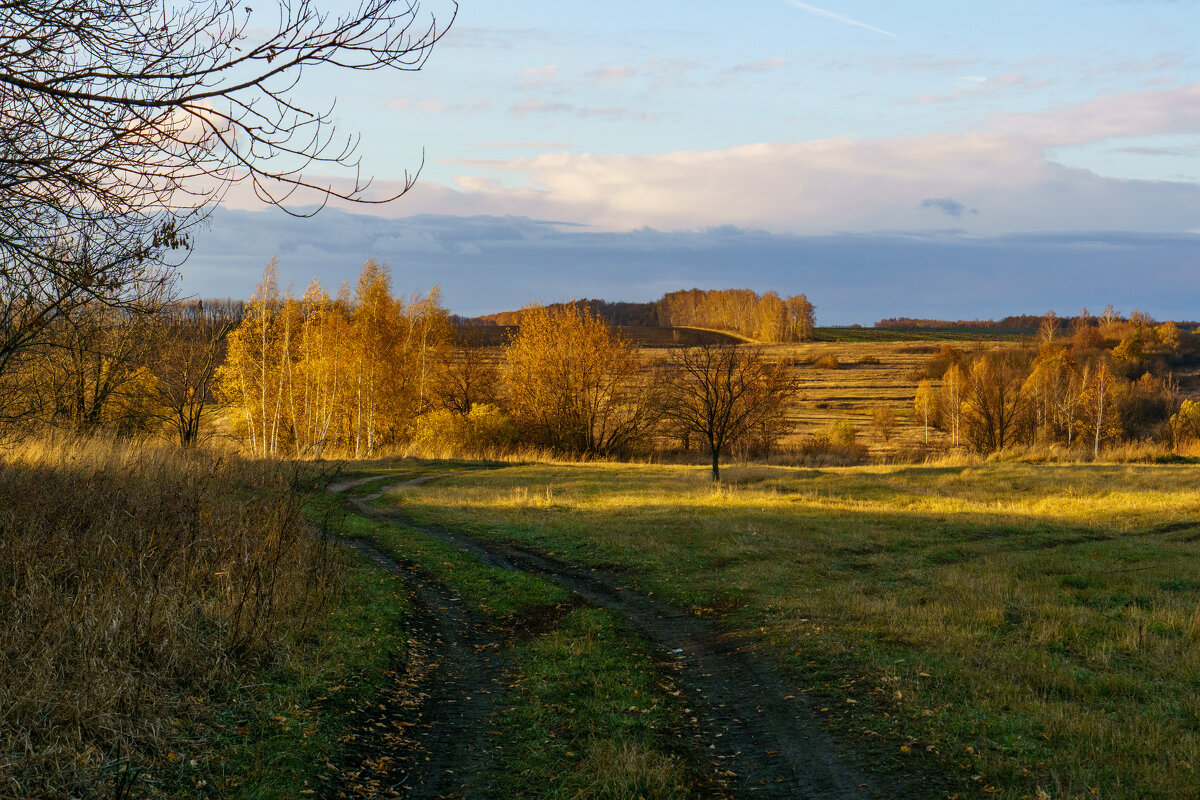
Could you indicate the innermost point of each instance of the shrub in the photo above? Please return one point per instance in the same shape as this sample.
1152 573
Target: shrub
486 430
842 433
827 362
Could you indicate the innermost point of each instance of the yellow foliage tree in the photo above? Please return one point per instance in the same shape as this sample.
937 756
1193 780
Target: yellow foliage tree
575 384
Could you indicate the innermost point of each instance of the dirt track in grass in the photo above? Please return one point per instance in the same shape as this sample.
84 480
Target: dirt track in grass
763 739
425 735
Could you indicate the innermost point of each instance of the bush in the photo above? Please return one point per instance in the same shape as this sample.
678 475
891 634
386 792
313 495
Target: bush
837 447
842 433
486 430
827 362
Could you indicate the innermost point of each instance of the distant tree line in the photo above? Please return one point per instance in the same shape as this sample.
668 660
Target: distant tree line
630 315
1018 322
765 318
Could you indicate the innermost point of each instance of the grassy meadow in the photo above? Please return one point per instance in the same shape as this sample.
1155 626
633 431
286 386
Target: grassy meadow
1032 628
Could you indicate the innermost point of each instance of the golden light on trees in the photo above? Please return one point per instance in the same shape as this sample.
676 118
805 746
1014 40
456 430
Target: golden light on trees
575 384
314 374
721 392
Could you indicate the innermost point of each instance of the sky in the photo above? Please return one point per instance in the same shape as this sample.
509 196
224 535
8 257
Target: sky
917 159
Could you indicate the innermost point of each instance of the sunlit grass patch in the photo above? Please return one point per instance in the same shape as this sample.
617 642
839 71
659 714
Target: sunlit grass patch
1034 623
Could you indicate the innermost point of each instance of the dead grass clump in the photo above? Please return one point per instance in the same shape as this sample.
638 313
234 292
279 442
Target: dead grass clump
827 362
1144 452
631 770
139 582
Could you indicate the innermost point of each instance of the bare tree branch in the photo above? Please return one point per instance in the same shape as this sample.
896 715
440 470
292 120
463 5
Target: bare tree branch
122 122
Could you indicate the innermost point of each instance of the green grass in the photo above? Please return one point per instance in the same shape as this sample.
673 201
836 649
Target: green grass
590 711
278 735
590 716
919 334
1027 626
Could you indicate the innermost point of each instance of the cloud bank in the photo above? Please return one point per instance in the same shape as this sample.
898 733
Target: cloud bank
487 263
1002 168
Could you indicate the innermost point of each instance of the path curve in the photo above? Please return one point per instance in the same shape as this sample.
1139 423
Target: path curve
765 735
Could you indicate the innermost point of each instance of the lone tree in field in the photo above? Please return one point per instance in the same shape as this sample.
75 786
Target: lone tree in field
720 392
125 121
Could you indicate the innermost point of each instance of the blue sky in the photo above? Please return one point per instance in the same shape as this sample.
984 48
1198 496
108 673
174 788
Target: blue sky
947 121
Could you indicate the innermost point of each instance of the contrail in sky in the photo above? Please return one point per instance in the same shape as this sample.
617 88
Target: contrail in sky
831 15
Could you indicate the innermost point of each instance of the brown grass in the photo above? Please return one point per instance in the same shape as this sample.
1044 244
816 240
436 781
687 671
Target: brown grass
139 581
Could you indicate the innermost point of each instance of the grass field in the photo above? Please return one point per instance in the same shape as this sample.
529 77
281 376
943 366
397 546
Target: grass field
968 335
586 707
1034 629
874 368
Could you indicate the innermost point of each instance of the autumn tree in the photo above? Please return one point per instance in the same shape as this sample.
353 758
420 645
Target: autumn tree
576 385
719 392
89 371
1099 419
952 396
252 375
993 404
1052 390
1185 423
801 318
883 420
350 373
925 404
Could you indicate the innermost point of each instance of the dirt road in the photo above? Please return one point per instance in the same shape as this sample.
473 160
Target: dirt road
764 737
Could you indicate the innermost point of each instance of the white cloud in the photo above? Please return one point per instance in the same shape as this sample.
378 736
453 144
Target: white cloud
528 145
979 86
844 184
764 65
524 108
611 74
433 106
537 77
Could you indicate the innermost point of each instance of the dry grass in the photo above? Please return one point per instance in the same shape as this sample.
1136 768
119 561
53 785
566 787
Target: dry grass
139 582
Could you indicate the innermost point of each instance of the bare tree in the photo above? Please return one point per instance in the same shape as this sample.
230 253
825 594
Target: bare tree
469 376
187 347
720 392
124 121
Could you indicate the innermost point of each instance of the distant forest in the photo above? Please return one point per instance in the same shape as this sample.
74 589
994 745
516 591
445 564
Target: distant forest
765 317
1020 322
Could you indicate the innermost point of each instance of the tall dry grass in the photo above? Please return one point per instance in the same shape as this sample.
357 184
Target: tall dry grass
139 582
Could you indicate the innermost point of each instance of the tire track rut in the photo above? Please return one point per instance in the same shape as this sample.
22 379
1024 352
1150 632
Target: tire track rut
439 706
768 741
